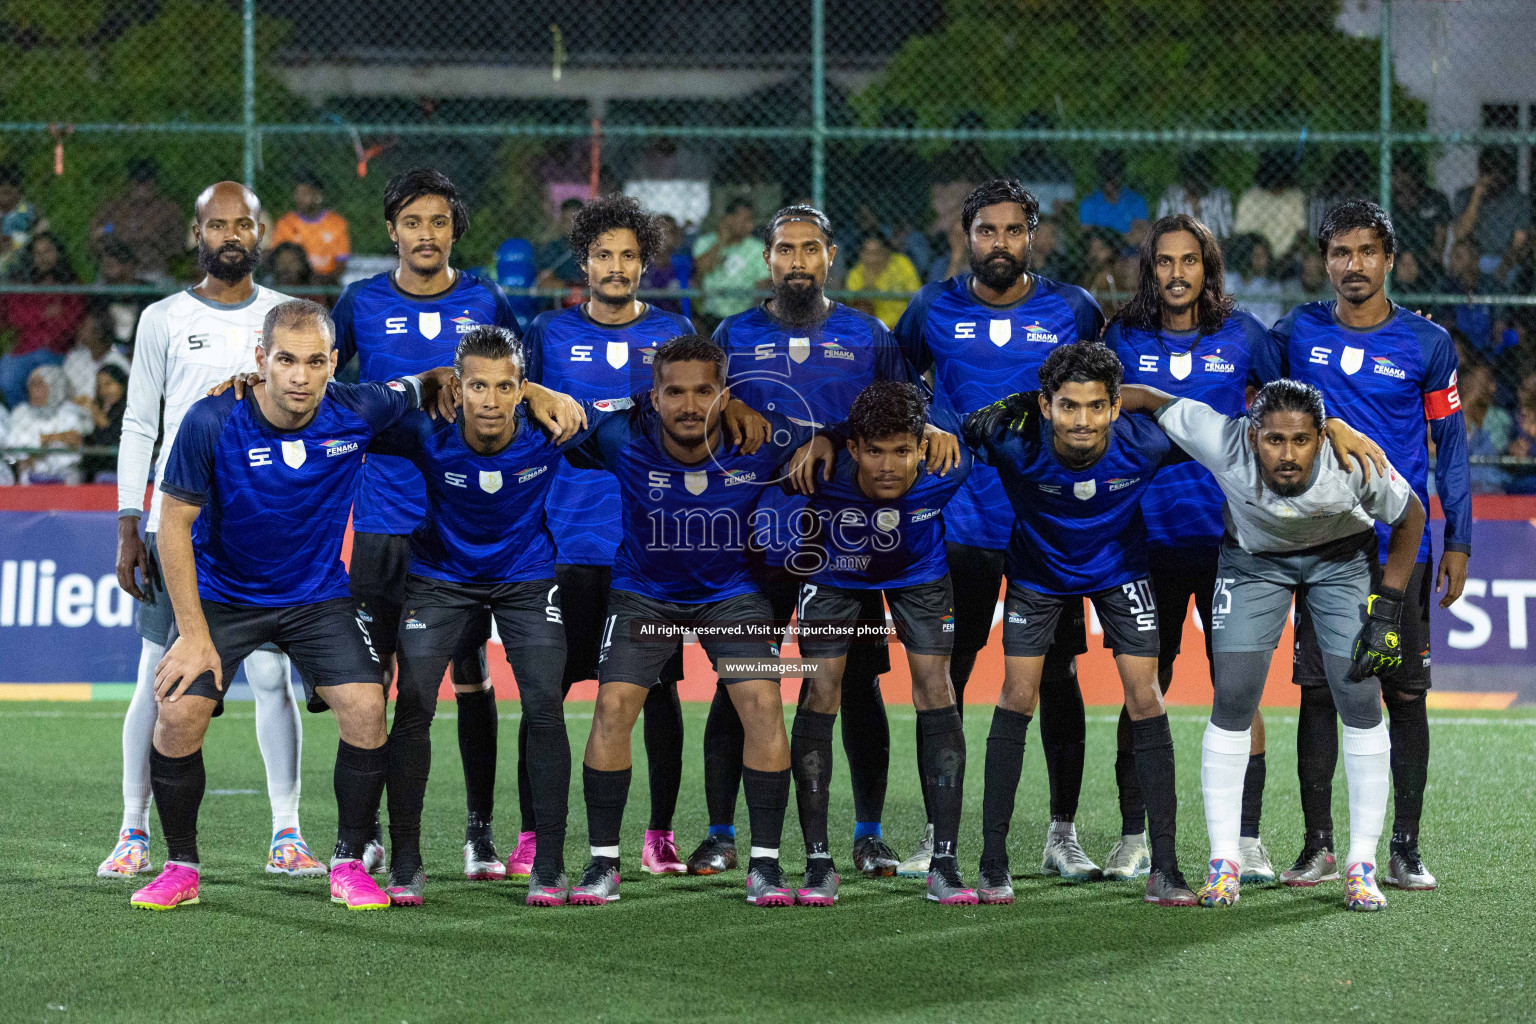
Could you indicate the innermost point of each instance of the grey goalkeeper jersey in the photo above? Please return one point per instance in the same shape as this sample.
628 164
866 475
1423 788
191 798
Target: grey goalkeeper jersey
1336 504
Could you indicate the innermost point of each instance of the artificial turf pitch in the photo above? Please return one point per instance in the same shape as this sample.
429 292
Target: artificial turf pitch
267 948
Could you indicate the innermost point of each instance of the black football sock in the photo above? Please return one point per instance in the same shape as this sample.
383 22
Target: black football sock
767 796
943 773
810 758
723 739
1408 727
1317 755
477 748
959 687
1253 795
606 794
1154 770
1063 734
663 753
410 762
1133 813
177 784
524 783
549 766
359 782
1004 765
866 739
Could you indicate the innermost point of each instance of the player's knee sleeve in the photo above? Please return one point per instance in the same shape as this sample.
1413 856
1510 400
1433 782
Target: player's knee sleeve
1398 701
416 697
1239 686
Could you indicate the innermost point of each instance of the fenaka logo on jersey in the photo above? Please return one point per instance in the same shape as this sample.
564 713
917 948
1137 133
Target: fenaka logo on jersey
832 350
738 476
490 481
464 324
336 446
1119 483
1387 368
1352 359
1216 364
430 325
696 482
922 514
648 355
524 475
293 453
1085 489
1179 364
1036 333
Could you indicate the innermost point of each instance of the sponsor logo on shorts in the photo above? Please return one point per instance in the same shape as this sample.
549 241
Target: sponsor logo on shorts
1016 619
412 622
336 446
947 622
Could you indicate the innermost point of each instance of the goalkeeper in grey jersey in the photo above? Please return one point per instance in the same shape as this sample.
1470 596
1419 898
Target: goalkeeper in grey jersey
1297 522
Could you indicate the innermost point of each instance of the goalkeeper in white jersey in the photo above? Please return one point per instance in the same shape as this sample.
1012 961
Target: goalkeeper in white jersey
186 343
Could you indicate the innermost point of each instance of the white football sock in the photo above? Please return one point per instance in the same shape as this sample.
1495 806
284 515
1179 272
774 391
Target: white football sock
138 737
1223 763
1367 767
279 733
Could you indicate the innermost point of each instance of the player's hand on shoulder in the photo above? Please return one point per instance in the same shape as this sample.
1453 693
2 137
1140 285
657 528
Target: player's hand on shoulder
943 450
749 428
817 452
239 382
558 413
1349 443
440 394
187 659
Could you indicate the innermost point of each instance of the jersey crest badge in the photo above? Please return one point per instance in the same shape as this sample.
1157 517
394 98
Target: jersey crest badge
618 354
799 349
1352 359
1085 489
1000 331
429 324
490 481
1180 364
887 520
696 482
293 453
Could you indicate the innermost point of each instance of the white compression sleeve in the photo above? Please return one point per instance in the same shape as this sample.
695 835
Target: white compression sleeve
279 733
1367 767
1223 762
138 737
141 415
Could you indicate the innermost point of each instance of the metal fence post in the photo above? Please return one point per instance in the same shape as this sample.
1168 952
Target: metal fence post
818 102
1386 105
248 86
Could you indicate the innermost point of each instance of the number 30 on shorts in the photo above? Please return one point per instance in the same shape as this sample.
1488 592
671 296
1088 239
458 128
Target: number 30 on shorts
1139 594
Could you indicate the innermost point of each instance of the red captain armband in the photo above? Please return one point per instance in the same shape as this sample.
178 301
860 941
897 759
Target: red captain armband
1440 404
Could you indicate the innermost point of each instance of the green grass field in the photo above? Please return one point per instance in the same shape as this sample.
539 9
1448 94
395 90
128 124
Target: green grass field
264 948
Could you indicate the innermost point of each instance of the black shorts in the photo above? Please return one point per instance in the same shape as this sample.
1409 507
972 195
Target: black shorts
1307 662
924 615
624 658
380 564
1128 614
980 574
1179 574
441 618
584 597
868 658
328 642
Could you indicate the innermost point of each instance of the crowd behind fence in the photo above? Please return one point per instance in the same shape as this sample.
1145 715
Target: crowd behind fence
1254 116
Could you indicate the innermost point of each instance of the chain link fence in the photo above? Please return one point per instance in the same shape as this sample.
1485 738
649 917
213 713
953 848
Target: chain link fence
1255 115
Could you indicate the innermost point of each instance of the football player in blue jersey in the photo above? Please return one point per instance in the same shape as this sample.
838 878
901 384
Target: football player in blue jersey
257 495
687 500
1390 374
1077 532
878 528
1181 334
807 357
598 350
983 335
408 320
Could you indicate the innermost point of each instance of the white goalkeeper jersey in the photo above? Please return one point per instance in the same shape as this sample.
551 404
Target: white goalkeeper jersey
184 346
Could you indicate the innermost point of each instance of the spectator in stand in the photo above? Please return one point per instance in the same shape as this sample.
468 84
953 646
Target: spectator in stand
149 224
728 264
1047 255
1113 206
554 259
1420 213
955 257
93 349
44 322
117 268
1524 444
1252 279
1274 207
1101 275
1490 429
1196 196
881 269
1493 213
1486 327
47 419
106 411
19 219
321 234
672 267
1313 278
289 266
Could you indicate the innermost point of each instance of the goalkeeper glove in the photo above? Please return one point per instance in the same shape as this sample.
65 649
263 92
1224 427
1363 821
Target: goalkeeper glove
1379 645
1013 414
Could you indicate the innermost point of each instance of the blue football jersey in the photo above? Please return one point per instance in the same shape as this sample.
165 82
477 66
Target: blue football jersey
1078 531
980 354
862 543
275 502
1395 383
809 374
485 520
686 528
1182 505
393 333
570 352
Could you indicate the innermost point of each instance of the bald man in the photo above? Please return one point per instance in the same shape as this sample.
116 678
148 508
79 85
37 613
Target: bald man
186 343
